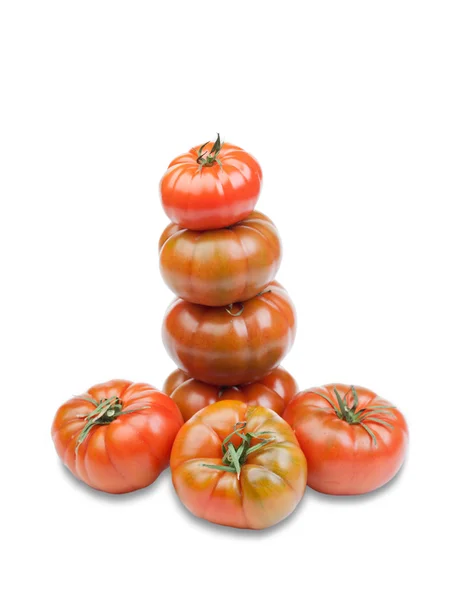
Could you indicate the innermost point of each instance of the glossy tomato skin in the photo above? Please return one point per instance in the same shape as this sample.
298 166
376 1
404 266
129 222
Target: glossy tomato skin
271 483
224 346
220 266
174 380
273 391
130 452
211 197
343 458
281 382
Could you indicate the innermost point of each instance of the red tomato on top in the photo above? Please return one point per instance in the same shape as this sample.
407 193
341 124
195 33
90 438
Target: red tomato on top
211 187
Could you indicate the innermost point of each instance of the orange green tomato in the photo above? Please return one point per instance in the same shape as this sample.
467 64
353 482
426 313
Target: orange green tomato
354 441
238 465
117 436
220 266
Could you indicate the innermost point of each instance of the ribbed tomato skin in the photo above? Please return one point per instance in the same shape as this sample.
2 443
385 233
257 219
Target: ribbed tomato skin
222 347
221 266
273 391
342 458
127 454
272 481
211 197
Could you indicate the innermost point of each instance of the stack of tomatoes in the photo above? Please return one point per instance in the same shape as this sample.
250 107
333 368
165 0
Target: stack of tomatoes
228 331
241 442
231 324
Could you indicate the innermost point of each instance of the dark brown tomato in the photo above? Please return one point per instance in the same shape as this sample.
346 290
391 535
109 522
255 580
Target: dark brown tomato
174 379
273 391
231 345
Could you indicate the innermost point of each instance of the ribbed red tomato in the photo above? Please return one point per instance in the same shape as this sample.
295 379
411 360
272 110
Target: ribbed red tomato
231 345
354 441
210 189
238 465
274 391
220 266
117 437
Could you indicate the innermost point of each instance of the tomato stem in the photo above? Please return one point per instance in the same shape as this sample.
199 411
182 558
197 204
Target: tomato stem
106 411
234 458
351 415
207 159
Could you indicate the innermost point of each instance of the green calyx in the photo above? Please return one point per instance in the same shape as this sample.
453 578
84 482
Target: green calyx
207 158
234 458
351 415
106 411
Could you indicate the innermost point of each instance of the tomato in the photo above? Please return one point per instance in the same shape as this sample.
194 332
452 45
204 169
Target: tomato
273 391
281 382
221 266
231 345
210 189
354 440
117 437
174 380
251 483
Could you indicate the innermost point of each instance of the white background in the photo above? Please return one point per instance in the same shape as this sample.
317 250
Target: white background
359 115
